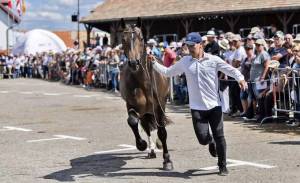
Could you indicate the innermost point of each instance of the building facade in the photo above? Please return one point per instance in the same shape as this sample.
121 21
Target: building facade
178 17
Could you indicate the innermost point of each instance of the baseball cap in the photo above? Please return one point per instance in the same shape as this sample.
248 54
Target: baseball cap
279 34
193 38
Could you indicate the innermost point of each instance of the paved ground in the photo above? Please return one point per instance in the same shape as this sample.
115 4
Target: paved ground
56 133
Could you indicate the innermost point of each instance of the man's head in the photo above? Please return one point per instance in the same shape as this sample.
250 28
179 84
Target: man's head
211 36
236 40
278 39
194 43
289 39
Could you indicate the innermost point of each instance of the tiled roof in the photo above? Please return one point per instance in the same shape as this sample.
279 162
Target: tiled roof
112 10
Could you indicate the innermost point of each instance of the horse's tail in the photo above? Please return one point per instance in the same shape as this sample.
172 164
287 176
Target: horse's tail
150 122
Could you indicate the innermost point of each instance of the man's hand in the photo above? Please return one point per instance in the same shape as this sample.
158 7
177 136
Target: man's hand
151 58
243 85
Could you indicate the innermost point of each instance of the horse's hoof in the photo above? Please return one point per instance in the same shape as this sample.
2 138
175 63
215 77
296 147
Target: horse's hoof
158 144
168 166
141 145
152 155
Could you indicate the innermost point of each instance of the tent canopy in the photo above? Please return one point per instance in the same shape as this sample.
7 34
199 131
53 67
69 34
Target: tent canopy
38 41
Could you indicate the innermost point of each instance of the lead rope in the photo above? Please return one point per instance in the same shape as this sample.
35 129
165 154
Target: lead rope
152 93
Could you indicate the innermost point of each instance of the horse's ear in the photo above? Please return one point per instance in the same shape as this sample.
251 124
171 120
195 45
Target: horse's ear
123 25
139 22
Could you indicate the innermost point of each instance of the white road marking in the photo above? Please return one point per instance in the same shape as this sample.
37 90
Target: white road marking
82 96
11 128
251 164
26 93
239 163
57 137
4 91
52 94
127 148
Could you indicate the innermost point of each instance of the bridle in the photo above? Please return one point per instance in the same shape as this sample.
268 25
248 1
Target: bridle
136 61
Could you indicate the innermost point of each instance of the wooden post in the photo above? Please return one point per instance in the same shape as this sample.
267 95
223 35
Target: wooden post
186 24
285 20
88 31
232 21
148 26
114 27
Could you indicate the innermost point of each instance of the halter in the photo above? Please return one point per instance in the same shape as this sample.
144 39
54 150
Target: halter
132 39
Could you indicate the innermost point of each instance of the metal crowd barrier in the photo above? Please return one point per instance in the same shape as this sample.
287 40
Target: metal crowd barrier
285 84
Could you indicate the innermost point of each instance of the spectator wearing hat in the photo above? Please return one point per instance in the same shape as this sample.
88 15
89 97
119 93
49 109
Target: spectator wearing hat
245 70
153 49
258 74
212 47
234 89
279 53
201 72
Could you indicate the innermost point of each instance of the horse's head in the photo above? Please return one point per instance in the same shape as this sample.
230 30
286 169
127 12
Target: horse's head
133 44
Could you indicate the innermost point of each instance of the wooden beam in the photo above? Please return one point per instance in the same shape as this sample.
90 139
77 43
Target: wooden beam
232 21
186 24
148 25
285 20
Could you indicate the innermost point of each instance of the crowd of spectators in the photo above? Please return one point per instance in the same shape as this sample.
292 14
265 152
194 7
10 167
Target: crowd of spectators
255 56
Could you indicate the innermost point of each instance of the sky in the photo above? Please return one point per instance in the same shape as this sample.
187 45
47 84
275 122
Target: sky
54 14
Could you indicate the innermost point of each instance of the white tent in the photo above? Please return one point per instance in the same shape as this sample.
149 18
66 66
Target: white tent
38 41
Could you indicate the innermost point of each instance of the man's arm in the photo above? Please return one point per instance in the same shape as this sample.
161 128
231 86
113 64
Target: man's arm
171 71
232 72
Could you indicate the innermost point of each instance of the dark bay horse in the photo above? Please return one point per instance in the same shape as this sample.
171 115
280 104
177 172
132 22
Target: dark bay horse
145 92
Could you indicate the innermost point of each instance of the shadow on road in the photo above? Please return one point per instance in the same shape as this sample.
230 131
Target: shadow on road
286 143
110 165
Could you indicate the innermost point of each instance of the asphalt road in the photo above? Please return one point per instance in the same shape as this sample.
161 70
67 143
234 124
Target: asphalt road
51 132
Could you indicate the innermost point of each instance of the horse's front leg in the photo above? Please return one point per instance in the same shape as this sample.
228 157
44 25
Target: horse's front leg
162 135
133 122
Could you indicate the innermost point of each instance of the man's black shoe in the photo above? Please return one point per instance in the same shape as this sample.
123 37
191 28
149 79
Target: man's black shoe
223 171
212 149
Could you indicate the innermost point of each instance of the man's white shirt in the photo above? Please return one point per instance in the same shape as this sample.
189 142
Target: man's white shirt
202 78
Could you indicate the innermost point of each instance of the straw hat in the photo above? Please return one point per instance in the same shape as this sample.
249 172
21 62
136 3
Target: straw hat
274 64
224 44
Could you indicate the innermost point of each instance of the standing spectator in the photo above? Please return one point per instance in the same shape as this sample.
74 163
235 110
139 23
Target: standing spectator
238 57
155 51
279 53
114 71
17 66
9 65
288 45
212 47
258 74
169 57
45 63
245 70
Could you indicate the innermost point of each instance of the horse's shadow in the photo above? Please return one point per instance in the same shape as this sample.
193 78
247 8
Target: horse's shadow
110 165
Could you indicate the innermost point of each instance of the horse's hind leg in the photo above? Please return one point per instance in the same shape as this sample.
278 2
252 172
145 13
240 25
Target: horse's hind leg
162 135
133 122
